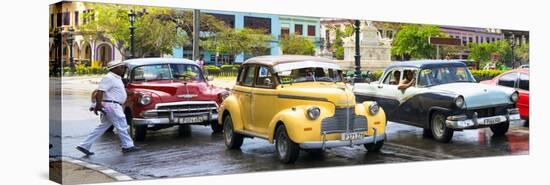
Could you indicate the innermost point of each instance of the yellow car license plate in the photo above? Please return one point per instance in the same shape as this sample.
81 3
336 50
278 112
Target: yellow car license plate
352 136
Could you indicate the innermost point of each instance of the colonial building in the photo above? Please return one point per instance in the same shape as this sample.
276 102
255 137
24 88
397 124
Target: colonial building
67 16
276 25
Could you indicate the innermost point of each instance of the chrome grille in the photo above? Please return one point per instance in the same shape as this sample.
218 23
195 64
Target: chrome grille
338 123
185 110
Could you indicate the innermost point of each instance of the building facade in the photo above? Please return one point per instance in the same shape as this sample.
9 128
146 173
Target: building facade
86 50
276 25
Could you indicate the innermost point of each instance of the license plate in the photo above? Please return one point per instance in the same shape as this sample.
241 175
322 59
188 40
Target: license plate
187 120
514 117
352 136
491 121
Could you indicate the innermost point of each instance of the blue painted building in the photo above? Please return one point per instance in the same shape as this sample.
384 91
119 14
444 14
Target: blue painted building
277 25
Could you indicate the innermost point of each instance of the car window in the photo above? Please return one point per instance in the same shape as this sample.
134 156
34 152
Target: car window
265 79
249 76
392 78
152 72
524 81
508 80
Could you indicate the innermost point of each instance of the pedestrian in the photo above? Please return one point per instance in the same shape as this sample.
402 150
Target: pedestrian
200 62
111 95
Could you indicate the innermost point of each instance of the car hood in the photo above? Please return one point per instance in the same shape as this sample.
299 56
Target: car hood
478 95
171 91
337 93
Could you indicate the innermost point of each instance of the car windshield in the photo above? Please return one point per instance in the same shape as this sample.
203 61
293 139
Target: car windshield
186 72
444 75
310 74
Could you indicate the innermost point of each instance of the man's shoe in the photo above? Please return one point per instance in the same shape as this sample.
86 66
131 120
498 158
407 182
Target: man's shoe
131 149
83 150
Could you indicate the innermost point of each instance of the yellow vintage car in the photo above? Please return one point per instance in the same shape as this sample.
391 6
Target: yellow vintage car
298 102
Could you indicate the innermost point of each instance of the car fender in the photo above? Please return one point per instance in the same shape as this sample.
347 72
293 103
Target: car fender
295 120
377 121
231 105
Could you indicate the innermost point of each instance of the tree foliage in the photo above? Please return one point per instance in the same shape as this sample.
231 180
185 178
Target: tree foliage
110 21
484 52
233 42
522 53
296 45
412 40
338 47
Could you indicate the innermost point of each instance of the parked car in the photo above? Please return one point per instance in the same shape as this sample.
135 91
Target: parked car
444 99
298 102
165 92
519 80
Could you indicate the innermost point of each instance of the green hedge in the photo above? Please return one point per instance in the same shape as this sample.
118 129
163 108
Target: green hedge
80 70
481 75
224 70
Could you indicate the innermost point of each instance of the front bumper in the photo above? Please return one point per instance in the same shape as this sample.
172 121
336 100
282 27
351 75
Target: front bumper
339 143
463 122
173 113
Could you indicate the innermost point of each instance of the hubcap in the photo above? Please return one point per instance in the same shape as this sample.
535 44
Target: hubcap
228 131
438 126
282 145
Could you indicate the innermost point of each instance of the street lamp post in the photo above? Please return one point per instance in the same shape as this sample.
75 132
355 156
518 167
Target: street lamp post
512 45
357 49
132 18
70 39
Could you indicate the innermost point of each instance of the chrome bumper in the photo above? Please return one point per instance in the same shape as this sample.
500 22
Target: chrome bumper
160 121
339 143
462 122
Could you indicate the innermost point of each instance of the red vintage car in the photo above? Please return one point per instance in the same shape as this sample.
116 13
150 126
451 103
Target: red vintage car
519 80
166 92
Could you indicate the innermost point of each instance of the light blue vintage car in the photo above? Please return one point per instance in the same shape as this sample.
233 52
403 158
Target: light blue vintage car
444 97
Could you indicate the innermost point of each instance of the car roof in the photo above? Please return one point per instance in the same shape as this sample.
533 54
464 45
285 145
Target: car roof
279 59
150 61
428 63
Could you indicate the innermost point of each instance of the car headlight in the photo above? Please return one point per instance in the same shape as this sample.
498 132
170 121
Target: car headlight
313 112
459 102
374 108
145 99
514 97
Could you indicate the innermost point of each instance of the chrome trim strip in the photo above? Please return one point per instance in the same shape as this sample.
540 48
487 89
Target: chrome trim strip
340 143
185 103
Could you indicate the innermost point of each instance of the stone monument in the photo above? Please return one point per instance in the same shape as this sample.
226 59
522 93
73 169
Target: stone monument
375 51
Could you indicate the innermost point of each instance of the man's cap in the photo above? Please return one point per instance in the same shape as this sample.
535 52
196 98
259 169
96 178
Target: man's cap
114 63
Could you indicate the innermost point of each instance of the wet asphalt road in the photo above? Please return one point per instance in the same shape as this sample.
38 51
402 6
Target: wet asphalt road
164 154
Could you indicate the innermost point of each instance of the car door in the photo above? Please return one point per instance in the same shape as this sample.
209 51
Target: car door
387 95
523 89
409 107
243 92
264 100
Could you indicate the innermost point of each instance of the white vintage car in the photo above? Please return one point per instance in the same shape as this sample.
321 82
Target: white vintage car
444 98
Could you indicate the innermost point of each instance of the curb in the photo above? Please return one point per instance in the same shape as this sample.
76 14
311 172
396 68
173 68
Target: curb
107 171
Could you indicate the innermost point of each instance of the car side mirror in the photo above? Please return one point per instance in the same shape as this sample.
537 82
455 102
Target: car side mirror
210 78
368 80
268 82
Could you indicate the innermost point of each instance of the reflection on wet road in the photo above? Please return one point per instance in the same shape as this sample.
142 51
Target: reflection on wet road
165 154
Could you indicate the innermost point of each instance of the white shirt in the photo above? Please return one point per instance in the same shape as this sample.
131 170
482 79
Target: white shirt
113 88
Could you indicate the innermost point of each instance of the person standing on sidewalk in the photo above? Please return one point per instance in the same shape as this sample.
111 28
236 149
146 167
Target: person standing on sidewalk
110 97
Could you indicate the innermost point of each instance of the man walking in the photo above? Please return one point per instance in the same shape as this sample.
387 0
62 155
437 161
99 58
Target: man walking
109 99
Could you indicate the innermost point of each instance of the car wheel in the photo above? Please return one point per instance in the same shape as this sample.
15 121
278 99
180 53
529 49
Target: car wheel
372 147
137 132
232 140
184 130
439 129
500 129
216 128
287 150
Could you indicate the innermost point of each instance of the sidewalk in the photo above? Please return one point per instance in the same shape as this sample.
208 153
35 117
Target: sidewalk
71 171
